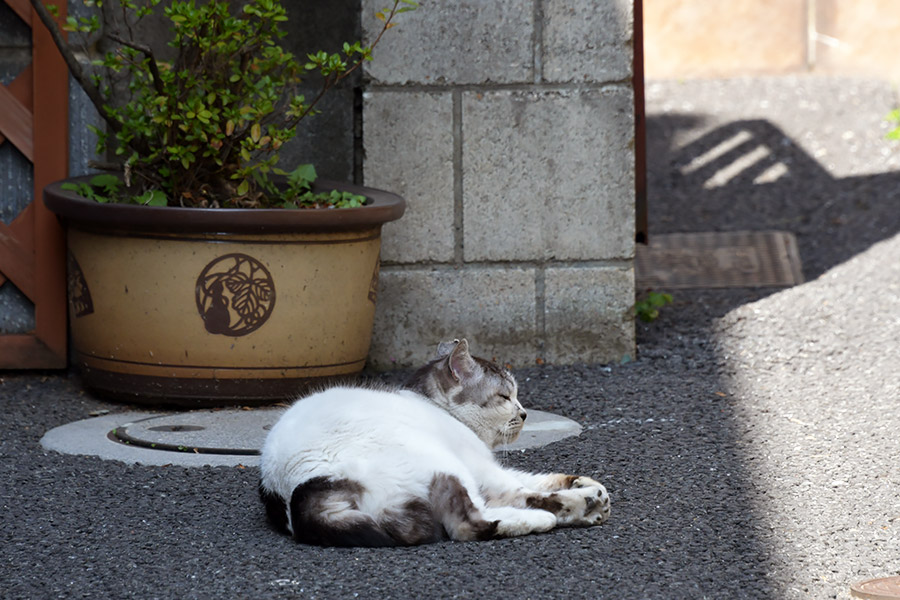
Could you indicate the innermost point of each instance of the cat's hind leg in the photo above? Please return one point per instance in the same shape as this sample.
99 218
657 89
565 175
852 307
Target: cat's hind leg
576 501
552 482
325 512
585 501
453 505
584 506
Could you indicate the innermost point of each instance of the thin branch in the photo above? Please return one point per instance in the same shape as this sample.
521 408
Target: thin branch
146 51
105 166
92 91
331 82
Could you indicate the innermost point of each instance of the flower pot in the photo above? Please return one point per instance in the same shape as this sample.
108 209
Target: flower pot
205 307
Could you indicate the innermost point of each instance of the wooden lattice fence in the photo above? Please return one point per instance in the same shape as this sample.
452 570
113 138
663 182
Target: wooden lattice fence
34 119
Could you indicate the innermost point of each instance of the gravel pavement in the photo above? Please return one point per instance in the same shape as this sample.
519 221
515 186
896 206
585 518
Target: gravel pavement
751 451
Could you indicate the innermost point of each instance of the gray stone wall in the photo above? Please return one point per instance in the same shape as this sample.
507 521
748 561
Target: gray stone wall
508 127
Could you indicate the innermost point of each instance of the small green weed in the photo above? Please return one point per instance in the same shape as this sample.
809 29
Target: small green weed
893 117
647 308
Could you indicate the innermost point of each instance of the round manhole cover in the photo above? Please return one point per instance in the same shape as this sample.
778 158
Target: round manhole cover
237 432
176 428
242 432
883 588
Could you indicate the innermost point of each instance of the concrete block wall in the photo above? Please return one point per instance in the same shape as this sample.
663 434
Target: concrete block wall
508 126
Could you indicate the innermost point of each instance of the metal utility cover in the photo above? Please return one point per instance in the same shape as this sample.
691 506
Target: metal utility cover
718 260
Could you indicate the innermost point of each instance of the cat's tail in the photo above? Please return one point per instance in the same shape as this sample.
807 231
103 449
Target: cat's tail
325 512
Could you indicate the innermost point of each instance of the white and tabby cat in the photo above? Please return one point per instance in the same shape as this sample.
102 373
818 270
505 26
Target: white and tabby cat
367 467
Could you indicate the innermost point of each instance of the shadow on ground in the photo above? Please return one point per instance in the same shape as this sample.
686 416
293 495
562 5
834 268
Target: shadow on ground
750 175
664 433
738 175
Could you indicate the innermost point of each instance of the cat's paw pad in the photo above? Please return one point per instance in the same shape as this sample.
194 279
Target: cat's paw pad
597 507
584 482
586 506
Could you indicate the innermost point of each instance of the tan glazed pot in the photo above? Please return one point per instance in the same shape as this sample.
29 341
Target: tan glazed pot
204 307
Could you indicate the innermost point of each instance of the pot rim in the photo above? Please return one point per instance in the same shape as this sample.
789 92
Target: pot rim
382 207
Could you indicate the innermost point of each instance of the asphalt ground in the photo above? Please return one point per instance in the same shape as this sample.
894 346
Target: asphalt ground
750 450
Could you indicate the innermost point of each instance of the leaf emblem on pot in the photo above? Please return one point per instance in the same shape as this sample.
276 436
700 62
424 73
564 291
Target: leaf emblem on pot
235 295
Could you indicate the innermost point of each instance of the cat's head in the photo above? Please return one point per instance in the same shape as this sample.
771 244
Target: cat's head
475 391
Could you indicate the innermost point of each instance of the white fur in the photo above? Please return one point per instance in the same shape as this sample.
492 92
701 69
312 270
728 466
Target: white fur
395 442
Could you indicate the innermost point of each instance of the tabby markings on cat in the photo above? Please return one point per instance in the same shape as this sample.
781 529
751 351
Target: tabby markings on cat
352 466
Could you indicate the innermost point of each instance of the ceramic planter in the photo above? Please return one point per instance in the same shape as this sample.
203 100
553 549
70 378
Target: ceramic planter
202 307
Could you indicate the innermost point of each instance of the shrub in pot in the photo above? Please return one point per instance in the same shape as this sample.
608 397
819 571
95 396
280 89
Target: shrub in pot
200 273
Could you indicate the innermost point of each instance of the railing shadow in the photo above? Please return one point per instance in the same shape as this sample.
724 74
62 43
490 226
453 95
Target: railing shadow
749 175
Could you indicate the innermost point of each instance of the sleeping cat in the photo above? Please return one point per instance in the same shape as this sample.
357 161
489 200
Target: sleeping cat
353 466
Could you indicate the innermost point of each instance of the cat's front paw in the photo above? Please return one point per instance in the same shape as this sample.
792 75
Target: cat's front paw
516 521
584 482
587 506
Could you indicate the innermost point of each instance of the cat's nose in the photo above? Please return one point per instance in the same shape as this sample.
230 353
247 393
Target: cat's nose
522 414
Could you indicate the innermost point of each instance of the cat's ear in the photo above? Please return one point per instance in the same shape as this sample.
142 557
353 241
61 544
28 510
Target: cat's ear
462 365
445 348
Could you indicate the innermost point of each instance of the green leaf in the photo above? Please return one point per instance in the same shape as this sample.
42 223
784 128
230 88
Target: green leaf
244 187
152 198
105 180
647 309
303 176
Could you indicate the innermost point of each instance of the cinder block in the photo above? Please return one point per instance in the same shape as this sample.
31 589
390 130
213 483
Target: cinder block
492 307
587 40
453 42
588 314
408 139
548 175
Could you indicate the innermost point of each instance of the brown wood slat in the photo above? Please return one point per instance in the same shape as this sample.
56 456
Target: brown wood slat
641 233
24 351
17 252
51 135
22 228
21 88
16 123
22 8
